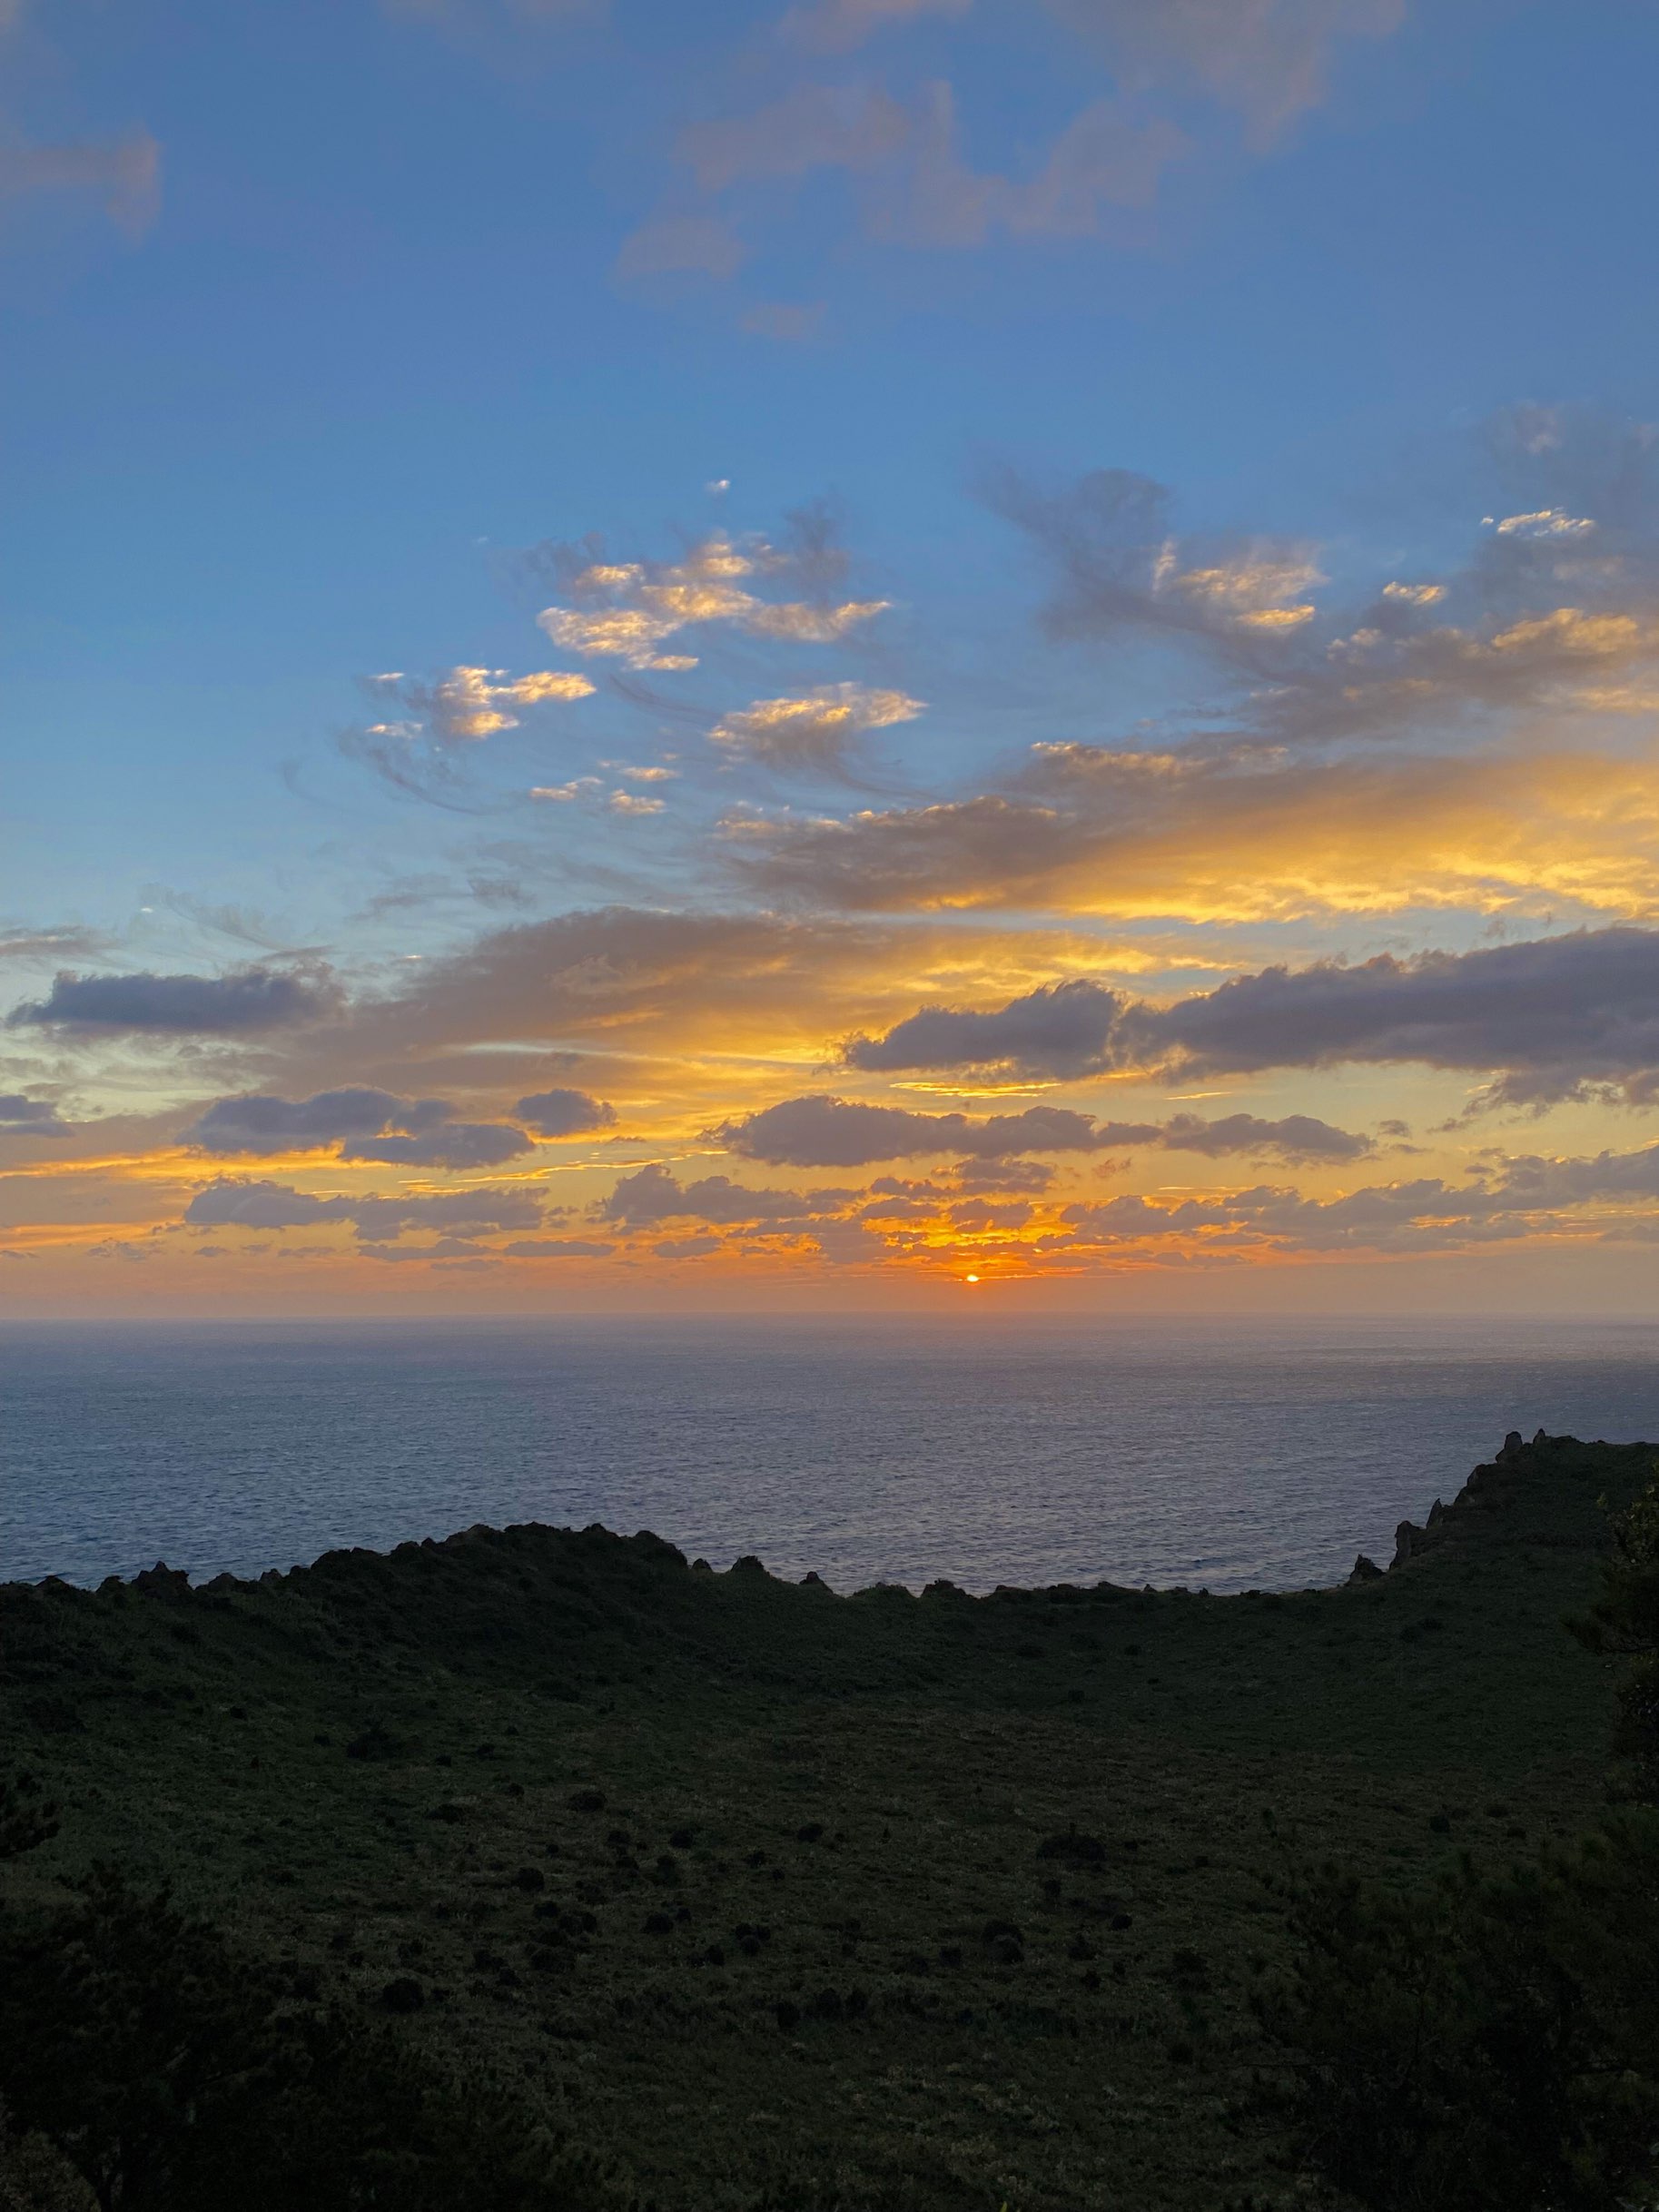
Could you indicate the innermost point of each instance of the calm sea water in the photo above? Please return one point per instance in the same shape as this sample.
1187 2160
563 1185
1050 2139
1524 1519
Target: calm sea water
1213 1454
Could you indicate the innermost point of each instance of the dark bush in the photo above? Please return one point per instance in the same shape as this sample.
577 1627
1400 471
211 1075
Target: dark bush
175 2076
1490 2046
1073 1850
27 1819
1624 1622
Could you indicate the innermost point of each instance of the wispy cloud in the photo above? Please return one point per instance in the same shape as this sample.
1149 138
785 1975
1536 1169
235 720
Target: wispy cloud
122 176
835 27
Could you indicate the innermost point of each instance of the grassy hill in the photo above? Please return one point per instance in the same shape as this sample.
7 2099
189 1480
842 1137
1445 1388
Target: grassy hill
773 1897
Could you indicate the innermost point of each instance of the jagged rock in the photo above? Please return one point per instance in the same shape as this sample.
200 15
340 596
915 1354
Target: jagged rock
1540 1438
1408 1541
1435 1512
1513 1445
1365 1570
163 1581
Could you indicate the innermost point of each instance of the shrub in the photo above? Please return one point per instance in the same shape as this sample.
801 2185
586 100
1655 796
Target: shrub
1624 1622
1489 2046
174 2075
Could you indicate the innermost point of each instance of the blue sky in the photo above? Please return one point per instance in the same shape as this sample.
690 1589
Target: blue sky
319 319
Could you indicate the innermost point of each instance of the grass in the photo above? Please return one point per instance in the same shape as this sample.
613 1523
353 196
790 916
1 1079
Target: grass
773 1897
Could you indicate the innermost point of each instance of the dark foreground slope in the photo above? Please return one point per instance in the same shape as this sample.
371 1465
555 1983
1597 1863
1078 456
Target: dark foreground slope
772 1897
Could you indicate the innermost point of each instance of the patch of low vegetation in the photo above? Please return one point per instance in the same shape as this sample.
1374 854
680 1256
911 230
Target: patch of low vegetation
539 1865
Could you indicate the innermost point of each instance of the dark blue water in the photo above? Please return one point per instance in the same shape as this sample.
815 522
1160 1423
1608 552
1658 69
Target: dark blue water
1214 1454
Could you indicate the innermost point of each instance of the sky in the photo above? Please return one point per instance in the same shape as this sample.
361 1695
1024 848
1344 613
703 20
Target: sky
863 655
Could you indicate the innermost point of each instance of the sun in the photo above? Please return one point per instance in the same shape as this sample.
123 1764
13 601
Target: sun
971 1278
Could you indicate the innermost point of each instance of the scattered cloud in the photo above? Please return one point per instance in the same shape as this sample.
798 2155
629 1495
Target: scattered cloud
812 733
654 1194
628 610
471 704
1516 1199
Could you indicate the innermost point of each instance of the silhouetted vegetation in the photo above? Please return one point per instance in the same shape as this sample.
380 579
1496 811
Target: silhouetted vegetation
175 2076
443 1872
1491 2043
1624 1622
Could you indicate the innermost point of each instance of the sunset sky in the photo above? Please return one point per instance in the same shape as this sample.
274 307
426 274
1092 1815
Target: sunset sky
869 654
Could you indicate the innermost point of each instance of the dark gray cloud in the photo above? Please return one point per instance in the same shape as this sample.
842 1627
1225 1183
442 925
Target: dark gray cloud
450 1144
1548 1018
1059 1031
247 999
365 1124
655 1194
260 1122
231 1202
23 1117
1296 1138
563 1113
821 1132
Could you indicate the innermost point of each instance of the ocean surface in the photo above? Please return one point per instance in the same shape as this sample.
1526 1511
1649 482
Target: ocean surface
1214 1454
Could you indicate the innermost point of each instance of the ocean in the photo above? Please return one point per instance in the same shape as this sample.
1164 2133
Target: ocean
1216 1455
